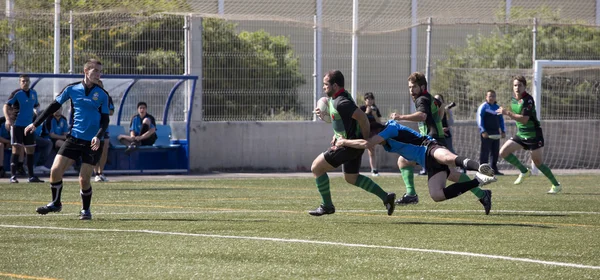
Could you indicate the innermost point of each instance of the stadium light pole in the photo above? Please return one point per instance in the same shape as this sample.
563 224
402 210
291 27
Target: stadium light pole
71 44
428 53
354 73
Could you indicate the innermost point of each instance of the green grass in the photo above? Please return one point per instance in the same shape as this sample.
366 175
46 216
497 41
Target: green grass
259 228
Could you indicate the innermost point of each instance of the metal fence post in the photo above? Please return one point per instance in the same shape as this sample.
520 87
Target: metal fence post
428 53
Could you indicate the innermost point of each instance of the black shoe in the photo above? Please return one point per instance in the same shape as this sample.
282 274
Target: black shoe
131 148
13 180
35 179
408 199
486 201
85 215
389 203
322 210
498 173
51 207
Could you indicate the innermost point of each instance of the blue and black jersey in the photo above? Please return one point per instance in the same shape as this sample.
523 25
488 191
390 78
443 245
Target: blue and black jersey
4 133
406 142
23 102
137 123
58 127
87 105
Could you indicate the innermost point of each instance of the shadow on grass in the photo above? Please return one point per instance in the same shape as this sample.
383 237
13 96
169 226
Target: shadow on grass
190 220
475 224
168 189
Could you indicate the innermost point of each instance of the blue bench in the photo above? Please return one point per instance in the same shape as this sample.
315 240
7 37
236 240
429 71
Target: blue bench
163 155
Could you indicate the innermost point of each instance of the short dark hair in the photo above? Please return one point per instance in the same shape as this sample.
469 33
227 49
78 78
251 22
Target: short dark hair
369 95
521 79
142 103
418 78
24 76
491 91
336 77
441 98
88 64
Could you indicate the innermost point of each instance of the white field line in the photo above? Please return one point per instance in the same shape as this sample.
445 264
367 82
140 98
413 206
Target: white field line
225 211
467 254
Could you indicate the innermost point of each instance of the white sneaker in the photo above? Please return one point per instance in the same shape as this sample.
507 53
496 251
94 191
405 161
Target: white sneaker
484 179
101 178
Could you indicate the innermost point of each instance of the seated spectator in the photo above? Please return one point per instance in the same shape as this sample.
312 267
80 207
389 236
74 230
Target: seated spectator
142 131
4 144
57 128
43 148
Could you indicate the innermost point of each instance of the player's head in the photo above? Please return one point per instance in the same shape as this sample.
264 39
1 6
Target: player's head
417 84
92 70
333 82
519 84
490 96
369 98
141 108
24 82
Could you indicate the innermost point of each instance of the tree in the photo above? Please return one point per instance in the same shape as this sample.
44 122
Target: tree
249 74
491 59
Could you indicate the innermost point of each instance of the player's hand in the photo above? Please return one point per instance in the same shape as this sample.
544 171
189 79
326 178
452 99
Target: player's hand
484 135
30 129
503 135
7 124
333 141
95 143
395 116
340 142
501 111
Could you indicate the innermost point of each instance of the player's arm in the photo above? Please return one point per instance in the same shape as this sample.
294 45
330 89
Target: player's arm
363 122
104 116
414 117
6 110
517 117
360 143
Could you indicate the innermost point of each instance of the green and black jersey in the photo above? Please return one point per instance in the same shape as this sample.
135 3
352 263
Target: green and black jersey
432 126
526 107
341 108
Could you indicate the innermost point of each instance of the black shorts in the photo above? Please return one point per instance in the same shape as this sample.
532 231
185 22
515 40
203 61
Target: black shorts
18 137
75 148
148 142
349 157
433 166
531 144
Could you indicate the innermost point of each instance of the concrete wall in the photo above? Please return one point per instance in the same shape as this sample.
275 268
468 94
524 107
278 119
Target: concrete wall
292 146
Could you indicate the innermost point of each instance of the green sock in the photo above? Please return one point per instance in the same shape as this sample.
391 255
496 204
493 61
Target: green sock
323 186
478 192
512 159
548 173
369 185
408 175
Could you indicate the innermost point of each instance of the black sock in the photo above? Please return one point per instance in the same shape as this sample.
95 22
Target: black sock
86 198
14 164
56 192
30 165
457 189
466 163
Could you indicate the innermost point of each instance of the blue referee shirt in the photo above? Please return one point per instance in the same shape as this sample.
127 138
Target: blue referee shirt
87 106
24 102
405 141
